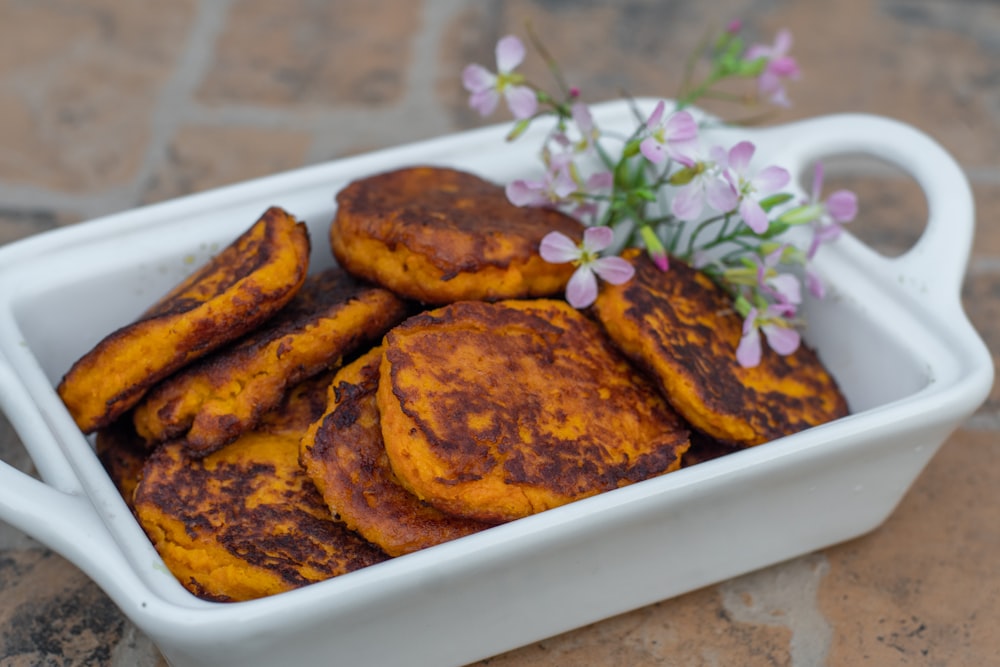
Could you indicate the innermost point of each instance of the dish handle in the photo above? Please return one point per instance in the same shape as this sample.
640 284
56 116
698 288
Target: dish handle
935 266
65 521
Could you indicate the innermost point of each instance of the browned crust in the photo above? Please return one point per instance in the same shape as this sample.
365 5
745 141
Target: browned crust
241 287
246 521
344 454
440 235
209 403
497 411
681 327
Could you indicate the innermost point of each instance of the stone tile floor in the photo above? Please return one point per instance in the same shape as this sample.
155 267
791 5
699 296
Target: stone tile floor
108 105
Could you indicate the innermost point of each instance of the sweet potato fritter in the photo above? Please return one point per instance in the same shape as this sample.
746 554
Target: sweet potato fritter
246 521
122 453
344 454
439 235
212 401
239 288
681 327
497 411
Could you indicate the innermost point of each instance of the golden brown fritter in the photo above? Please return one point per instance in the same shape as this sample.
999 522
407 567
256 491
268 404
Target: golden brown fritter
705 448
239 288
681 327
246 521
122 453
344 454
497 411
439 235
210 402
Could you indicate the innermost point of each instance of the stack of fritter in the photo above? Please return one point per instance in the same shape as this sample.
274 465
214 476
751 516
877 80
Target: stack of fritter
429 389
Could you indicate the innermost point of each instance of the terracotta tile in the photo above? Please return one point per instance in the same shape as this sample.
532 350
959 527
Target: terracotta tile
17 224
893 211
12 452
606 51
52 614
203 157
918 590
78 85
892 208
308 53
987 241
932 64
981 298
877 57
694 630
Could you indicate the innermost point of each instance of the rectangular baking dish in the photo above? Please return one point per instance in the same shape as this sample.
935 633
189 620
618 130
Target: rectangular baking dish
892 331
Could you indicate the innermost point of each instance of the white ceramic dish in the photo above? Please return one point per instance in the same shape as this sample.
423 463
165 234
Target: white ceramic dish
893 332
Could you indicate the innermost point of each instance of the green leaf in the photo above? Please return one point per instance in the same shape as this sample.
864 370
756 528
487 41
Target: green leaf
751 68
683 176
631 149
801 214
519 129
622 175
776 228
767 203
742 306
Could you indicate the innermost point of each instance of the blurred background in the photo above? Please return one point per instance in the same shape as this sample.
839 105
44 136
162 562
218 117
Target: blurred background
106 105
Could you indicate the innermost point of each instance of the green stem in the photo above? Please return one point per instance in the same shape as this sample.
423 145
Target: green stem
605 157
550 62
700 228
690 98
690 63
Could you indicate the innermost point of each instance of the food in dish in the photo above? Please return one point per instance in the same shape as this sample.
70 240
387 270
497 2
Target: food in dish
439 235
266 465
344 454
122 453
241 287
246 521
495 411
212 401
681 327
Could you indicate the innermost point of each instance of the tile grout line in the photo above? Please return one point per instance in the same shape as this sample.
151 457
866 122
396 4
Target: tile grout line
170 108
418 95
177 95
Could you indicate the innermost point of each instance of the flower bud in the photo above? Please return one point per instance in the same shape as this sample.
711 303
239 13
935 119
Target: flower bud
631 149
654 246
519 128
800 215
768 203
684 176
742 306
752 68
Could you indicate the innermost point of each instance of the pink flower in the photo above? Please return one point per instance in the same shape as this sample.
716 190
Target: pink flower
588 131
839 208
780 66
784 287
487 88
751 187
782 338
584 202
707 184
581 291
832 214
551 190
675 137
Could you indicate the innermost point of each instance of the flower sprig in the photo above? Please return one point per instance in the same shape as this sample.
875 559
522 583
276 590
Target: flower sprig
668 192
